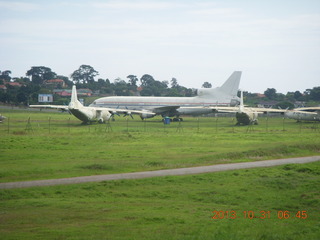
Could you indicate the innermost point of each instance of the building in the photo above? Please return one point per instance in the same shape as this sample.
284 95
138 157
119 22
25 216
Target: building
13 84
55 83
67 92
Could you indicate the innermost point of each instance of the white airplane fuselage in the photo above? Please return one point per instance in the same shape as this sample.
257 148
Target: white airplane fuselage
225 95
303 116
245 115
152 103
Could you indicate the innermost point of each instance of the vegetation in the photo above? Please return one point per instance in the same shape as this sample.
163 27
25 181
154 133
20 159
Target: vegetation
270 203
26 89
62 147
179 207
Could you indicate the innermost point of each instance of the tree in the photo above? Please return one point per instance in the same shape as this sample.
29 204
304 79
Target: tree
120 87
152 87
40 74
271 93
174 83
174 92
10 95
66 80
315 94
22 98
85 74
285 105
133 80
146 80
207 85
5 75
22 80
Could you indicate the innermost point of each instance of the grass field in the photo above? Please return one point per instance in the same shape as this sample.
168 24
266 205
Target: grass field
171 207
54 145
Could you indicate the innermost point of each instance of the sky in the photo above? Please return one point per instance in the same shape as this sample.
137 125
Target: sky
275 43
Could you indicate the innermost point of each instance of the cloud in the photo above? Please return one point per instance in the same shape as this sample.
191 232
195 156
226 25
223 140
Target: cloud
134 5
179 38
18 6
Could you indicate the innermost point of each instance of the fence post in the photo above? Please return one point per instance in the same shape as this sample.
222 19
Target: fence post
108 126
69 125
198 125
232 125
216 124
267 124
8 125
28 126
49 119
145 124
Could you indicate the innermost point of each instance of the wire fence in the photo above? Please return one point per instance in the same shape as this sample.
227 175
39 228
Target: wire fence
218 124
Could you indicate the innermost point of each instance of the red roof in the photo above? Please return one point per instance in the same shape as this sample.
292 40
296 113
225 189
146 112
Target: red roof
14 84
55 81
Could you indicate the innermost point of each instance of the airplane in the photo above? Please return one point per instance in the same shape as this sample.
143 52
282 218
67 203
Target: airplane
2 118
88 114
245 115
225 95
304 114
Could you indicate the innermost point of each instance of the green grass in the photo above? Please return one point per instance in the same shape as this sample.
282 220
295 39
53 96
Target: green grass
61 147
169 207
55 145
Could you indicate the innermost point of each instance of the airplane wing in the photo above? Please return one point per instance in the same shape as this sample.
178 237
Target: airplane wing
236 109
268 110
225 109
61 107
111 110
307 109
304 112
160 110
126 111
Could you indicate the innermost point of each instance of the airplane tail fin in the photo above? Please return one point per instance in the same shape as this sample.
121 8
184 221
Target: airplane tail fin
231 86
74 103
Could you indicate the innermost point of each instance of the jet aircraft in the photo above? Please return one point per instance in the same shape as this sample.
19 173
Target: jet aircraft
246 115
226 95
88 114
304 114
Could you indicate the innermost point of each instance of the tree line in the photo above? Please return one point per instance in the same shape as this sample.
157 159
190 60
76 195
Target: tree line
26 89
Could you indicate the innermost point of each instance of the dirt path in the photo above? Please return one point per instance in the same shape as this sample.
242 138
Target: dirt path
159 173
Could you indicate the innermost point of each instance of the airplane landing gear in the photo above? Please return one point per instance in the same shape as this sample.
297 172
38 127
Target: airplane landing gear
178 120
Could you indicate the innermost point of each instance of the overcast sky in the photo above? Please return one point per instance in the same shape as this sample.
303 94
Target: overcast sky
275 43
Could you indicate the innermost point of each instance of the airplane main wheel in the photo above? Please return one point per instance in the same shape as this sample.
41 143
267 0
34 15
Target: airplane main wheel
178 119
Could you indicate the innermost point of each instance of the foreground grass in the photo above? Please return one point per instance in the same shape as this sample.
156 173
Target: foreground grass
54 146
170 207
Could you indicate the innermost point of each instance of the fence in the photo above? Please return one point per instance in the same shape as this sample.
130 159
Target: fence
226 125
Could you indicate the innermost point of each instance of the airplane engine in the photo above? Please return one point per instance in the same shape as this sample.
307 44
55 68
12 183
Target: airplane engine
146 115
243 118
103 116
